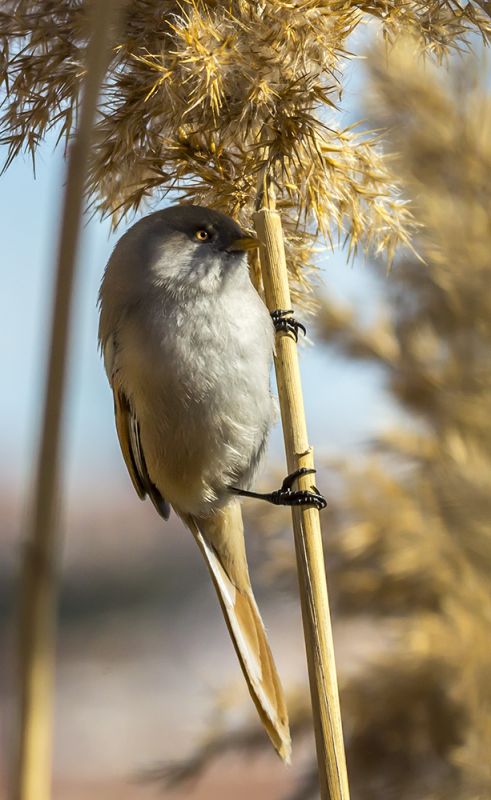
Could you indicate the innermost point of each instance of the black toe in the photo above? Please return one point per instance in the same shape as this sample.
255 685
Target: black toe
282 321
290 479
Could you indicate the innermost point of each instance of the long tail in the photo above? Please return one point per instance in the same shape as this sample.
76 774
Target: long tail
221 540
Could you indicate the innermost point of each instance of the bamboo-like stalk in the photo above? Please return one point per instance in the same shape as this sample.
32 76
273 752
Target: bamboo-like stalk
32 771
306 524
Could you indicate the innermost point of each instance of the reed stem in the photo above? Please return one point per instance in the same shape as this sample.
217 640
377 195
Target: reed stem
331 758
38 588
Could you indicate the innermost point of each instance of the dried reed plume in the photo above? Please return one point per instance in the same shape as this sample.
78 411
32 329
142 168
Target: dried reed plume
201 96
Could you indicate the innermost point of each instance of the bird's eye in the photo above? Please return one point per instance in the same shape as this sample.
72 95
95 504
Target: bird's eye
202 235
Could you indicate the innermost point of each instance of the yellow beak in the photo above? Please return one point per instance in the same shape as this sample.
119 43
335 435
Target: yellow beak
245 243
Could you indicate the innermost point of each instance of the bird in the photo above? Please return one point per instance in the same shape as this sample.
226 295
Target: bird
188 344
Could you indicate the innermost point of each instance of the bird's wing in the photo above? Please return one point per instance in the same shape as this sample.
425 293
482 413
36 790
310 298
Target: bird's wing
129 438
220 538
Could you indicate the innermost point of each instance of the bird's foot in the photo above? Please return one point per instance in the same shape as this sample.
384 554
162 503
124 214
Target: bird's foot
282 321
286 496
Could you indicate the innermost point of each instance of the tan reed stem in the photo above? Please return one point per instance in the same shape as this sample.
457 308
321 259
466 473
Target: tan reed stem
331 758
32 771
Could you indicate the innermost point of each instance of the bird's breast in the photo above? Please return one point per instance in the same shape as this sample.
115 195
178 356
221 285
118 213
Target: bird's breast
198 376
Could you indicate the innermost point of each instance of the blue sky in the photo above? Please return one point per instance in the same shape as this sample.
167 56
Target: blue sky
343 401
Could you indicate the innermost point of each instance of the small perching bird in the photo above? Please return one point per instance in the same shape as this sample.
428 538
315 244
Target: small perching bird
188 346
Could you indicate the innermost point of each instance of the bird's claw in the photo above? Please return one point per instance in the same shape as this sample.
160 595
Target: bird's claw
287 497
282 321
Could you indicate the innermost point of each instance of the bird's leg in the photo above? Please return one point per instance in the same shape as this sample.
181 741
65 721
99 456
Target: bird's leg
283 322
286 496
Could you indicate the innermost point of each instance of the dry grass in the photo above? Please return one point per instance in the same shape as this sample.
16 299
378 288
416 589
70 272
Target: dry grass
415 533
32 778
201 97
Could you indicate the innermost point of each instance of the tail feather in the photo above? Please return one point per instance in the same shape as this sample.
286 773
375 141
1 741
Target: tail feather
220 539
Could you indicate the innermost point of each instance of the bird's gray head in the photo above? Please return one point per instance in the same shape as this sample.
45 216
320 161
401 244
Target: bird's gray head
183 248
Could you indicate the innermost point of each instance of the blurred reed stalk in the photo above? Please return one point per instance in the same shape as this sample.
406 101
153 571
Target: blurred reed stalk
38 591
331 759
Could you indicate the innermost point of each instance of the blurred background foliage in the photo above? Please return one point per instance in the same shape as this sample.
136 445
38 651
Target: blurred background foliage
407 530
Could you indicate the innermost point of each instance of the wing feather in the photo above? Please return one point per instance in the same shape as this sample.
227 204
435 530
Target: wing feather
122 416
129 439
